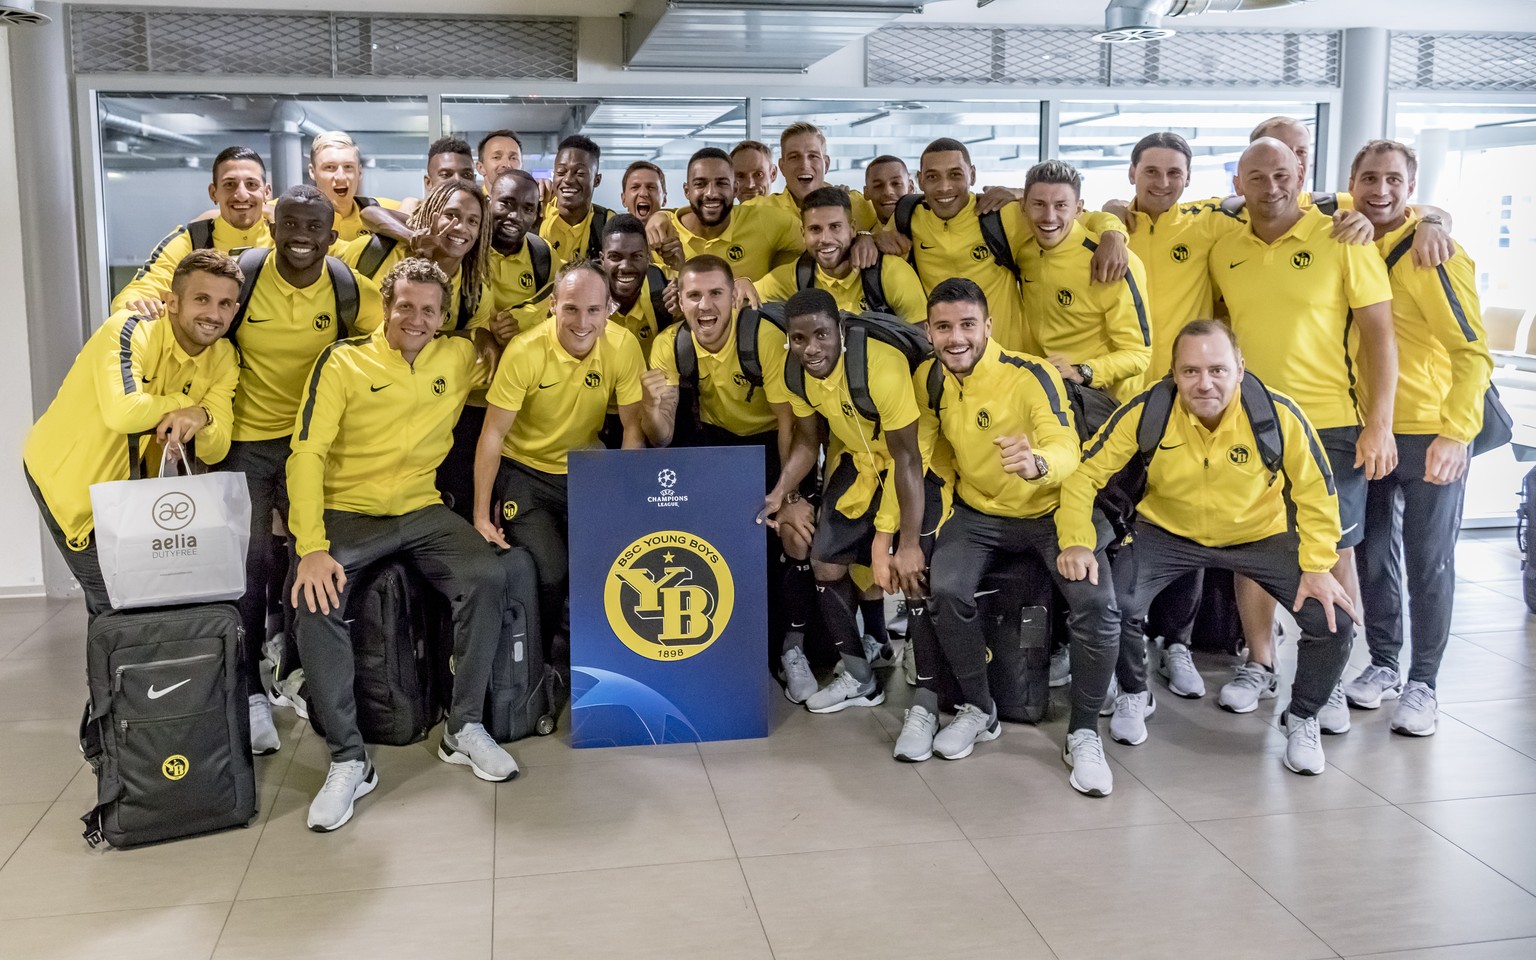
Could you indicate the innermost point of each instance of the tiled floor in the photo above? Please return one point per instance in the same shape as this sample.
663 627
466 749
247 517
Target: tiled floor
813 843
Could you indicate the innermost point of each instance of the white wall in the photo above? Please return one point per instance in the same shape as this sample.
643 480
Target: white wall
21 543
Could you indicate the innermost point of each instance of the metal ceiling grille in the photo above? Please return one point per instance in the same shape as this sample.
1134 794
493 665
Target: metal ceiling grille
328 45
1463 61
1023 56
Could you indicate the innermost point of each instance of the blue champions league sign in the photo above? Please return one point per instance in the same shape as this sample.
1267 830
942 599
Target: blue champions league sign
668 596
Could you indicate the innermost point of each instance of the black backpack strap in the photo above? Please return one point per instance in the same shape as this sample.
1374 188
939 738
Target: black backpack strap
1155 412
874 288
595 234
997 241
805 272
1402 248
686 354
251 261
856 368
375 252
902 218
344 287
539 256
658 286
200 232
794 378
366 202
466 311
935 386
1326 203
747 320
1259 404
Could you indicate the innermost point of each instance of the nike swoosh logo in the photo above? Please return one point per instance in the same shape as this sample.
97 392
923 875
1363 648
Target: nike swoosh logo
1235 264
925 246
546 386
374 389
983 593
1348 530
1164 446
254 320
157 694
147 380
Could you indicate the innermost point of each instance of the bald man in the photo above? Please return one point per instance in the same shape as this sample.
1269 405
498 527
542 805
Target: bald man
1299 301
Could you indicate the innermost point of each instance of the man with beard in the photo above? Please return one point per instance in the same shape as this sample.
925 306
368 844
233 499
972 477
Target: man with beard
298 304
827 264
522 265
573 224
753 238
240 188
635 284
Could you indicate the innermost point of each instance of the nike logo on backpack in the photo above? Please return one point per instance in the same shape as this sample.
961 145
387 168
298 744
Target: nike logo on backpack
157 694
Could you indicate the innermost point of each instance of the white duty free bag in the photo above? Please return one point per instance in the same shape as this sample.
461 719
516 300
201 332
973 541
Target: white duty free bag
172 539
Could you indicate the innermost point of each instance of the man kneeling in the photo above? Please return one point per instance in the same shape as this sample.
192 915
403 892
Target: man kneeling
376 421
1228 464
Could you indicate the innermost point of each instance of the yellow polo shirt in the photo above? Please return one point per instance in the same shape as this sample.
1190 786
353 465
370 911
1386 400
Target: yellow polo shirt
903 291
569 240
351 226
757 239
513 288
153 281
727 399
864 216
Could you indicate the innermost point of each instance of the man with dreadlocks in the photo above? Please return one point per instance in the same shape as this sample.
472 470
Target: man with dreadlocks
452 229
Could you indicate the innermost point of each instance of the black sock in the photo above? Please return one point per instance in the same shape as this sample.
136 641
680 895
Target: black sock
873 612
837 600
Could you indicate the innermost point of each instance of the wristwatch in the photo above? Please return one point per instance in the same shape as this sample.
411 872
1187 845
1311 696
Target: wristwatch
1041 467
1086 372
1433 218
792 497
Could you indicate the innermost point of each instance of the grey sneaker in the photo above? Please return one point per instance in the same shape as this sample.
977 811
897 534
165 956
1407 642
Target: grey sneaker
1417 711
844 692
264 741
344 783
474 748
970 727
1107 708
915 744
1084 753
878 654
799 681
1252 683
1061 667
1178 668
1334 717
1374 685
909 663
1129 723
290 693
1303 745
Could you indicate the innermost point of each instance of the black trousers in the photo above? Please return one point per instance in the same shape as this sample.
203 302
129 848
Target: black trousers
265 465
84 565
967 547
456 561
539 520
1162 557
1409 518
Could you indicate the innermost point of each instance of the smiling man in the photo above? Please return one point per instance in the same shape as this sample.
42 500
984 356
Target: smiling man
522 266
377 420
643 189
634 282
295 302
886 180
752 238
549 397
240 189
336 167
753 169
804 161
573 224
498 152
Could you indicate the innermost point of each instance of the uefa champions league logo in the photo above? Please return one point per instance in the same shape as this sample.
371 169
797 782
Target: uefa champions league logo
668 495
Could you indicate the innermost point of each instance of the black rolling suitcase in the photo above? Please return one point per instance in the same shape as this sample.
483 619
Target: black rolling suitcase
167 727
525 694
401 632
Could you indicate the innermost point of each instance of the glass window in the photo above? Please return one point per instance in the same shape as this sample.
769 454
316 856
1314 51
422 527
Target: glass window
1097 138
157 155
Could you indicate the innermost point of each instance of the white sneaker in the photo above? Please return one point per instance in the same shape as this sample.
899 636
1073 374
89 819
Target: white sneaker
970 727
1084 753
915 744
1253 682
1334 717
473 747
878 654
1418 711
1129 723
1178 668
1374 685
289 693
844 692
264 741
799 681
1107 708
344 783
1303 745
1061 667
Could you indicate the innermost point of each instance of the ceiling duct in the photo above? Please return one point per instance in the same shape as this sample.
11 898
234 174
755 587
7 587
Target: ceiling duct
766 36
145 131
20 12
1137 21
